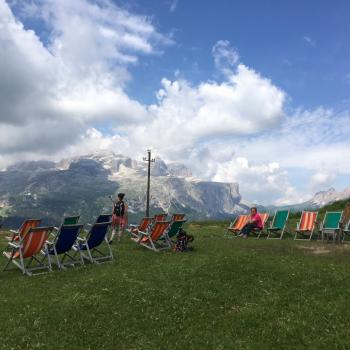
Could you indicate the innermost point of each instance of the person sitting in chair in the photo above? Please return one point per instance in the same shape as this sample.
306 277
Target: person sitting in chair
254 222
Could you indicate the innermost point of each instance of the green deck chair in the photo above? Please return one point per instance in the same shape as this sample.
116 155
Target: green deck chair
174 228
71 220
331 225
278 225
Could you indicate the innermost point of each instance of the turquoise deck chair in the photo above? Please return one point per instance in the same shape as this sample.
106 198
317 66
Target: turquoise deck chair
278 225
331 225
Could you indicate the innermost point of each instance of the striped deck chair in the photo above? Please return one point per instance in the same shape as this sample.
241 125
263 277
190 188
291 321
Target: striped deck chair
152 239
26 251
159 217
141 227
278 225
177 217
237 225
89 246
264 218
330 226
62 245
22 231
306 225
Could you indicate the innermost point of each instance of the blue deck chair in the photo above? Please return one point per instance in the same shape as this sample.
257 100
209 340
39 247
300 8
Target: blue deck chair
62 245
89 246
103 218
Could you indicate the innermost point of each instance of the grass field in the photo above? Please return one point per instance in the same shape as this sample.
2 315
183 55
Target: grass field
226 294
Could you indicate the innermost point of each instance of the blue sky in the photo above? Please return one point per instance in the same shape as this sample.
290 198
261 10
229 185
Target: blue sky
254 92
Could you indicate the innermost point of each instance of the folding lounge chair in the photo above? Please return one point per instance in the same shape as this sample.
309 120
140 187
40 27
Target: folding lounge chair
159 217
173 229
22 231
71 220
346 230
89 246
264 218
177 217
24 252
62 245
237 225
103 218
152 240
306 225
278 225
141 227
331 225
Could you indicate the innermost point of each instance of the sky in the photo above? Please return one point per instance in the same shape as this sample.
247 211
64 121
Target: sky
254 92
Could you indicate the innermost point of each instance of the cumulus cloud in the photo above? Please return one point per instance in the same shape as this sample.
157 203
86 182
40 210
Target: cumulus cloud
225 56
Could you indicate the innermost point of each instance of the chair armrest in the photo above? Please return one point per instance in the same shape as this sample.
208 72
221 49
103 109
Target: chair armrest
14 245
14 231
81 239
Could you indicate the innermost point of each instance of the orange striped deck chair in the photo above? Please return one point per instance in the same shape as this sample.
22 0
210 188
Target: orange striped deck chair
27 250
159 217
178 217
306 225
237 225
152 239
264 218
22 231
141 227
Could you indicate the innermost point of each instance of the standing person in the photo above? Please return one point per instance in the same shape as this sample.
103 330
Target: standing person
254 222
120 217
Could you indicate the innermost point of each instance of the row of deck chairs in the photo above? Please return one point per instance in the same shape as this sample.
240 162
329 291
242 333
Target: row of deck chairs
35 249
157 233
307 227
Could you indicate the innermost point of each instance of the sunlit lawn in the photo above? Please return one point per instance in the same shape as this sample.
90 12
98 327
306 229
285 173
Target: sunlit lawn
226 294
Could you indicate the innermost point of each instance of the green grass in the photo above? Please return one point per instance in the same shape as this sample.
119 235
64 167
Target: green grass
227 294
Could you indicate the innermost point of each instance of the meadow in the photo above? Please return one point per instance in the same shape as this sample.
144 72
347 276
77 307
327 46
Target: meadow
226 294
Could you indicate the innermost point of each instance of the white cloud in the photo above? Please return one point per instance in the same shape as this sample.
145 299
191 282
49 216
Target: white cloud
173 5
310 41
225 57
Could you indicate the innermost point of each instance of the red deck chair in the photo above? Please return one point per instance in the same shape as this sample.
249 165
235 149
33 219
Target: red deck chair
237 225
24 252
306 225
22 231
141 227
152 240
159 217
178 217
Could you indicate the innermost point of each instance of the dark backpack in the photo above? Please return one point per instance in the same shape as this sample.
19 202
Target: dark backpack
119 208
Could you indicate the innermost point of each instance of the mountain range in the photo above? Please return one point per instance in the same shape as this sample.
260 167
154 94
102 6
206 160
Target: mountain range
82 185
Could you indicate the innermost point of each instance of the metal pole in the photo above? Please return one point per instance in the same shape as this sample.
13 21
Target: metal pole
149 160
148 181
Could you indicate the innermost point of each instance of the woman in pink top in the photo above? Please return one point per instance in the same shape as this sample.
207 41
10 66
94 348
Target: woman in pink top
254 222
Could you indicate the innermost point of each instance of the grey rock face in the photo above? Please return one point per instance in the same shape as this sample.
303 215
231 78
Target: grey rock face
82 185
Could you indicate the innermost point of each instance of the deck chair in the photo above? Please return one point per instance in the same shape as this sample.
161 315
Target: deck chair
152 239
306 225
331 225
159 217
71 220
62 245
22 231
89 246
26 251
346 231
278 225
141 227
103 218
237 225
258 232
173 229
177 217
